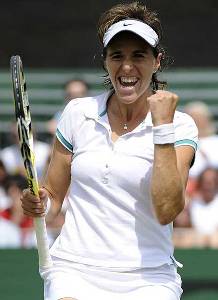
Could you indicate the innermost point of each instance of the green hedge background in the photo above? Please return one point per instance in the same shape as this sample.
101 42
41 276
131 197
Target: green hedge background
19 278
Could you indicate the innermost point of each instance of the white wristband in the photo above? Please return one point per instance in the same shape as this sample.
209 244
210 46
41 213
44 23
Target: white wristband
164 134
48 206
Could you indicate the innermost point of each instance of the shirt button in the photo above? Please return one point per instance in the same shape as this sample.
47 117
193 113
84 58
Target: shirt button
105 180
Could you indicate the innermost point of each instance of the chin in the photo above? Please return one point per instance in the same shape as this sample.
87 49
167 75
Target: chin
127 99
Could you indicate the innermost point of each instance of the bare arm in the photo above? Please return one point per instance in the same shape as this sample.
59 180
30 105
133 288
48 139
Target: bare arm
57 180
169 179
171 166
55 185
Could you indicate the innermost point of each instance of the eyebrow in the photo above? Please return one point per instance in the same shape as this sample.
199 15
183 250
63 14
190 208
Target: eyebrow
114 52
141 51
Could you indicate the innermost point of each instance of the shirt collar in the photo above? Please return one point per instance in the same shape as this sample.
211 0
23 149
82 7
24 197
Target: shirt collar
98 110
99 107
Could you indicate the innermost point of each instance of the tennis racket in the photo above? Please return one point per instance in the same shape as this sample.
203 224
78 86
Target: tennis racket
23 118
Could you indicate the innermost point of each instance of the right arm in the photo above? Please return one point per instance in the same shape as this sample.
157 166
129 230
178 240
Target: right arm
55 185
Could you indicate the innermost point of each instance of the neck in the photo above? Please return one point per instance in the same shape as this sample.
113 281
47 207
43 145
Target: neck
128 115
129 112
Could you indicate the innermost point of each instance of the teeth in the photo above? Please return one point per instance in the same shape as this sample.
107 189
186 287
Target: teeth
128 79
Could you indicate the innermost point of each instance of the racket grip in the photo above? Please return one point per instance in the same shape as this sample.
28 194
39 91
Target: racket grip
45 260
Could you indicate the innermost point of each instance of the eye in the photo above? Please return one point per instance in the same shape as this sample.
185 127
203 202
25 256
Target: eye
116 56
139 55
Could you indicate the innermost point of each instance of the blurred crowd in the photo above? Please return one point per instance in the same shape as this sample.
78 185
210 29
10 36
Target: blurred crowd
16 229
196 226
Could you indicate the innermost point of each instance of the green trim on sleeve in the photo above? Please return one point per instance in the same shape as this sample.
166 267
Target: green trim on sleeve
186 142
103 113
63 141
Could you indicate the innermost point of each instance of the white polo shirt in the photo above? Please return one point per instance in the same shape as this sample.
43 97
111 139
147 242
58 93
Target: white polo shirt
110 221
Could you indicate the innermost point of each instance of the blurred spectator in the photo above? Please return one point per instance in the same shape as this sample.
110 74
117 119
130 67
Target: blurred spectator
4 199
206 155
16 229
74 88
12 219
14 187
197 225
204 206
10 234
12 159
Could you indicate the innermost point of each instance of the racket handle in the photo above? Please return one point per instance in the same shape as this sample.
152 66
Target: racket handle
45 260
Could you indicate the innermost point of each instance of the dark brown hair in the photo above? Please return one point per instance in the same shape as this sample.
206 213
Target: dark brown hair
137 11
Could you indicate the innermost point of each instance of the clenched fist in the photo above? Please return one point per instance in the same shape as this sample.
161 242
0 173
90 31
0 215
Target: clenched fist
162 106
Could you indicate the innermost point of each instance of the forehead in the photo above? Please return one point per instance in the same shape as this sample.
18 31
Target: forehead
126 39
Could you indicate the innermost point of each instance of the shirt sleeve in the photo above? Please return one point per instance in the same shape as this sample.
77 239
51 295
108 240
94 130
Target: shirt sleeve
67 123
186 132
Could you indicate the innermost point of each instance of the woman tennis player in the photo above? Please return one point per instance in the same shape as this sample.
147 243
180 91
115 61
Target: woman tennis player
125 157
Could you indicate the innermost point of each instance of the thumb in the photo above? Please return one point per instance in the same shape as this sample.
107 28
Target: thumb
43 194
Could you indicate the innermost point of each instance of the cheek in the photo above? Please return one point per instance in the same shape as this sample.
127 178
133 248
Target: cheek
147 72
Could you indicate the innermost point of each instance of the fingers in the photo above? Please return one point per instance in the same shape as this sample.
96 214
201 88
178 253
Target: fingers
161 95
162 106
32 205
43 194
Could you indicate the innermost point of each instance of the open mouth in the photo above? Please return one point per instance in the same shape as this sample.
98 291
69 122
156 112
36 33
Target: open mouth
128 81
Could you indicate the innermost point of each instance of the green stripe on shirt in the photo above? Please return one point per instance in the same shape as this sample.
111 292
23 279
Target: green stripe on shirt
64 141
186 142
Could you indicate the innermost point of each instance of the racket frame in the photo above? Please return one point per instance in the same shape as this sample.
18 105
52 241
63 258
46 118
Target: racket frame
24 127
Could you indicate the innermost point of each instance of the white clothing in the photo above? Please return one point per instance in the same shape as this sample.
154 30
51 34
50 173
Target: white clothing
5 201
82 282
10 234
206 155
204 216
13 161
110 221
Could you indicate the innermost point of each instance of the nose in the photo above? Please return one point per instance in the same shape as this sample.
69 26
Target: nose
127 65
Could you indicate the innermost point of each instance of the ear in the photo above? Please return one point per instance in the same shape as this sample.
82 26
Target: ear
157 63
